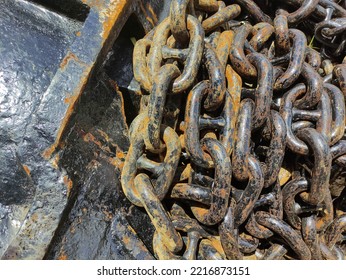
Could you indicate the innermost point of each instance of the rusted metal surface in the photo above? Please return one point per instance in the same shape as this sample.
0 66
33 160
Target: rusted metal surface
69 42
223 139
261 125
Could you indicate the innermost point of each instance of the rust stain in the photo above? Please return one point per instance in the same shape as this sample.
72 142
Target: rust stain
78 33
152 13
62 257
69 184
49 151
104 135
145 13
69 56
27 170
55 162
120 94
109 16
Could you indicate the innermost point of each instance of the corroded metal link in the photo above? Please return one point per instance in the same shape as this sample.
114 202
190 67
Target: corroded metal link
261 34
339 72
220 17
158 215
282 38
157 100
241 151
140 67
296 63
155 58
192 63
276 150
247 243
321 37
339 114
338 149
313 58
324 123
237 56
255 12
217 79
319 12
223 47
306 8
293 143
322 163
327 254
161 251
251 193
221 189
178 54
335 230
326 217
234 84
314 86
286 232
160 38
289 192
275 252
257 230
276 209
229 234
264 90
310 237
210 6
178 21
166 170
192 192
207 251
192 112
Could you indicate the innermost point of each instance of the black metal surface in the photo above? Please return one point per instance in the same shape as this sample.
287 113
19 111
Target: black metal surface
33 41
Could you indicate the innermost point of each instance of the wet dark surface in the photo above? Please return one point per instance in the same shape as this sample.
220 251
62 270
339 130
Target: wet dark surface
95 150
33 41
93 158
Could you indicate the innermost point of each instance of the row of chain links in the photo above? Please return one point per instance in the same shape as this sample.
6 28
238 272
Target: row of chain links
238 147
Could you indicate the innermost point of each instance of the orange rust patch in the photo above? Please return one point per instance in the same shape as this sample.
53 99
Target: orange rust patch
120 94
78 33
27 170
55 161
68 182
152 13
74 97
62 257
70 55
144 11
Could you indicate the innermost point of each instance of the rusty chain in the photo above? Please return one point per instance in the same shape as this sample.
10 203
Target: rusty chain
239 148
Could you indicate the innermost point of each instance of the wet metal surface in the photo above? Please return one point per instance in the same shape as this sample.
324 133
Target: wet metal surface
33 41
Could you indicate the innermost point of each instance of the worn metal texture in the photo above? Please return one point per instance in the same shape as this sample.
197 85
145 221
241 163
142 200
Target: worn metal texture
50 51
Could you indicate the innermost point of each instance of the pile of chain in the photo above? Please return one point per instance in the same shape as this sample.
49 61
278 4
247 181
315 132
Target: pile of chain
238 149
